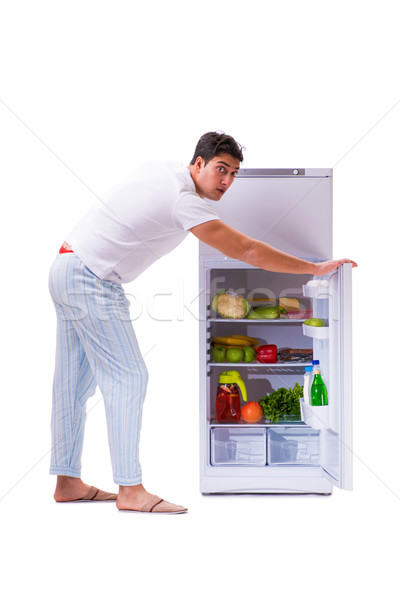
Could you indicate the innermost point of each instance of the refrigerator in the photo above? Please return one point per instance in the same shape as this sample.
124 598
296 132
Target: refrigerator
290 209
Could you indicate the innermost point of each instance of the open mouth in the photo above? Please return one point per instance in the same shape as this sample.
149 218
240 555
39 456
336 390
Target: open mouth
220 190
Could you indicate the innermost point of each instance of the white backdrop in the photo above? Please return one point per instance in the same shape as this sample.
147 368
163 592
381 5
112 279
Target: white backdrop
87 90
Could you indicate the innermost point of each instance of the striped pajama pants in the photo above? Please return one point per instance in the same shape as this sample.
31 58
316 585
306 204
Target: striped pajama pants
96 345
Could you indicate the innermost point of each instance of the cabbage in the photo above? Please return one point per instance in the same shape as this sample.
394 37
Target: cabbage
230 305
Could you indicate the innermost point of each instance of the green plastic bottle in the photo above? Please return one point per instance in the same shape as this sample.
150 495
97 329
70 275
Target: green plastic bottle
319 395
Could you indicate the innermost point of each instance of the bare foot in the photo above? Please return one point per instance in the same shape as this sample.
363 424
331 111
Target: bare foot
69 488
134 497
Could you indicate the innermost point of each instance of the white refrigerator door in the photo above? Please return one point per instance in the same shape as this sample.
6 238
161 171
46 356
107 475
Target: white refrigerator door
336 442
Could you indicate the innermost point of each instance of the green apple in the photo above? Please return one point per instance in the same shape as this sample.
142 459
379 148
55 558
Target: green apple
315 322
234 355
249 354
218 353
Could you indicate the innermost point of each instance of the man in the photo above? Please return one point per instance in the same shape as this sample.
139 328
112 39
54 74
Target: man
136 223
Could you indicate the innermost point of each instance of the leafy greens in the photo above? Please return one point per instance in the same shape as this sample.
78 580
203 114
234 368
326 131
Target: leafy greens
281 403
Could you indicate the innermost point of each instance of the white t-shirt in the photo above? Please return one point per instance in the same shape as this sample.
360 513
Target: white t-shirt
140 220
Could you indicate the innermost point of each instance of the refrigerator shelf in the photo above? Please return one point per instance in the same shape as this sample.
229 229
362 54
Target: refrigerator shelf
262 423
281 365
256 321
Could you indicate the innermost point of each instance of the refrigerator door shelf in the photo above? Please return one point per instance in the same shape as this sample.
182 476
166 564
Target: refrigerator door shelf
316 417
318 333
318 292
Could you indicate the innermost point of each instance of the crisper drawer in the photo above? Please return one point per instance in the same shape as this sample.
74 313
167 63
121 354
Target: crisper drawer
238 446
293 446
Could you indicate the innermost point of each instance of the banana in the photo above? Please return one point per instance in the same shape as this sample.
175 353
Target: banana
250 340
236 347
232 341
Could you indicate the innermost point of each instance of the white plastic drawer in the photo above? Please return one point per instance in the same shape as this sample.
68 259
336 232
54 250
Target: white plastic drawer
293 446
238 446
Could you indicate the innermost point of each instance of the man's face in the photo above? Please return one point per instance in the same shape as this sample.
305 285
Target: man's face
213 179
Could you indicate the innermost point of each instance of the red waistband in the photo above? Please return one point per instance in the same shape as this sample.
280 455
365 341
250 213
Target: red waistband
63 250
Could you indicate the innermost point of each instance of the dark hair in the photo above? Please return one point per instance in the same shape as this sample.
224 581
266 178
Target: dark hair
215 143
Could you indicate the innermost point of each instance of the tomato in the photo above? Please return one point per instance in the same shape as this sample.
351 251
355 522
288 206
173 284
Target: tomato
251 412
